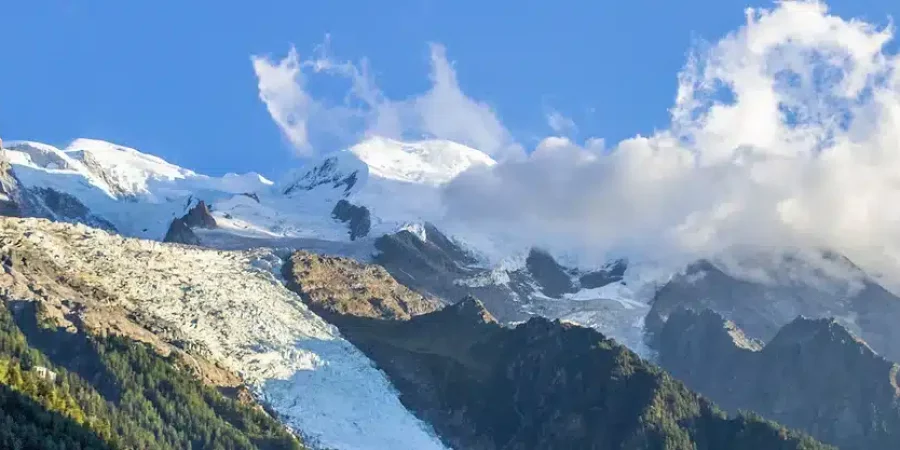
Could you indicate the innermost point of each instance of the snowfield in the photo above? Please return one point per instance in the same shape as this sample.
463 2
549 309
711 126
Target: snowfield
232 304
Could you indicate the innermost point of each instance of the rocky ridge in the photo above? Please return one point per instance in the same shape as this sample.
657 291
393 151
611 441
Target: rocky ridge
813 375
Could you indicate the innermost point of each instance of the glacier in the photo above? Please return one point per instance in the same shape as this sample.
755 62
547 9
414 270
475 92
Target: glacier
231 304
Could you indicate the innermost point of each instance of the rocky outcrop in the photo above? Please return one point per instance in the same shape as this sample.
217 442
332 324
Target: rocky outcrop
428 261
199 217
438 267
428 265
181 229
251 195
357 218
552 278
813 375
180 233
334 287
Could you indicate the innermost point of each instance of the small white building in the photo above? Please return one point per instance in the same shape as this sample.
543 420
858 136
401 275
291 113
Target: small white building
44 373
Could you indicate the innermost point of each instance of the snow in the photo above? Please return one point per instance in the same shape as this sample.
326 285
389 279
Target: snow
617 292
140 193
398 182
125 169
417 229
231 304
432 162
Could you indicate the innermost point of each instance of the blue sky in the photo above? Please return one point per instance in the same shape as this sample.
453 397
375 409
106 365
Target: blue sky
175 78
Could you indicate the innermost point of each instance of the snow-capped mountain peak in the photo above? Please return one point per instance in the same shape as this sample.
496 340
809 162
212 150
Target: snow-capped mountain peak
126 170
431 162
428 163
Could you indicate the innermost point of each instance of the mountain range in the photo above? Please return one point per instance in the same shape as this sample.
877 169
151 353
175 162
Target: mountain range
346 302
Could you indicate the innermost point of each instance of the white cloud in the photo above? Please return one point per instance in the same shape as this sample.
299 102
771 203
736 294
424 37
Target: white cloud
443 112
560 124
281 88
446 112
784 133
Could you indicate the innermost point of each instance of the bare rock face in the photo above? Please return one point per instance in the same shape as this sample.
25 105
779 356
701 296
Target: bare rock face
813 375
549 274
357 218
180 233
181 229
341 286
200 217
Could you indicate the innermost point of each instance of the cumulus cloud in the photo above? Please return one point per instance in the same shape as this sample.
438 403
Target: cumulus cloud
442 112
785 133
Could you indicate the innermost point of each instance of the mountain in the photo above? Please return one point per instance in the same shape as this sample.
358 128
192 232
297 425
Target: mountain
540 385
140 194
379 200
428 261
813 375
228 313
225 314
763 293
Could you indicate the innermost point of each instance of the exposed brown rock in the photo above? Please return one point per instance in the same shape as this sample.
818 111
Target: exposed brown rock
344 287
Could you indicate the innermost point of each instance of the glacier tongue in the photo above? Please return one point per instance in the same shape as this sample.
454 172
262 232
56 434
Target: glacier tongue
231 304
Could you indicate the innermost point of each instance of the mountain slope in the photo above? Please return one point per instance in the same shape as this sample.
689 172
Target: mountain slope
226 311
61 387
541 385
813 375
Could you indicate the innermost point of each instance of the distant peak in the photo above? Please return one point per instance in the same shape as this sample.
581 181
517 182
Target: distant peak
803 330
425 162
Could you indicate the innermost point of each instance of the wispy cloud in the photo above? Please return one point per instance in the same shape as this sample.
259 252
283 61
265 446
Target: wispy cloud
560 124
281 89
442 112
